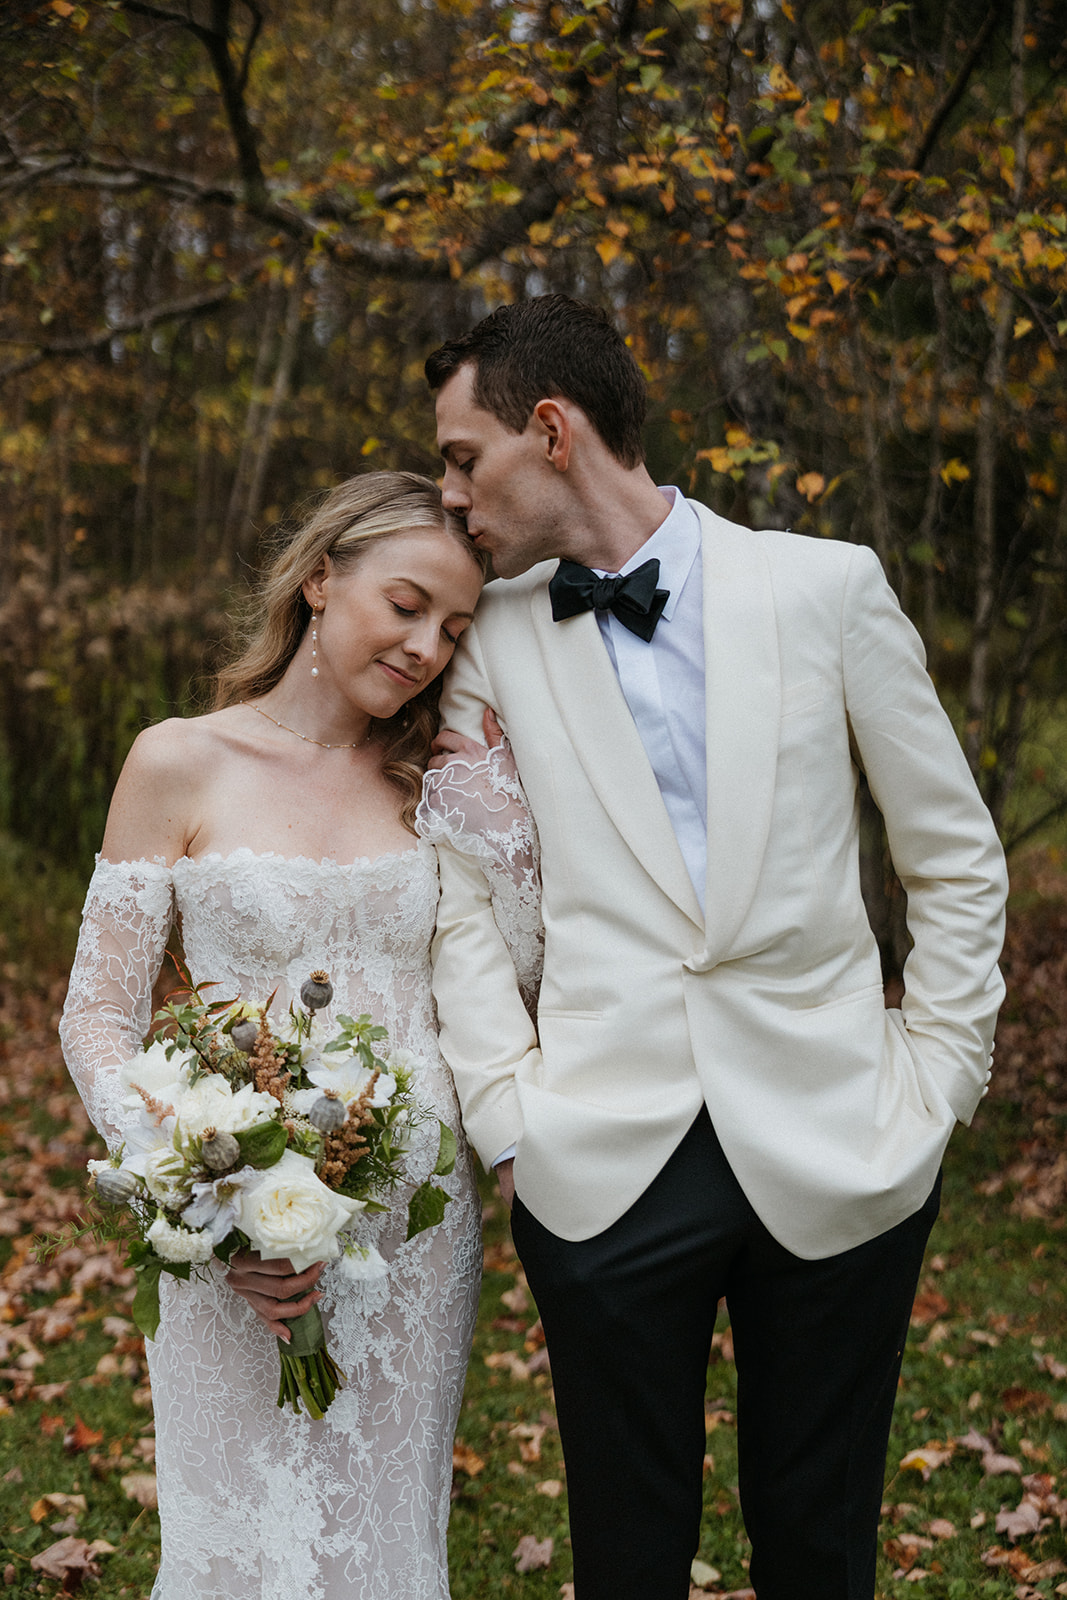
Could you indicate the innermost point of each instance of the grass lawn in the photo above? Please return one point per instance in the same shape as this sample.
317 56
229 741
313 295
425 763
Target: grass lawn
980 1421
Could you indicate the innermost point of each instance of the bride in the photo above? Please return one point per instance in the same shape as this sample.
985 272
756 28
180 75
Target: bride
278 833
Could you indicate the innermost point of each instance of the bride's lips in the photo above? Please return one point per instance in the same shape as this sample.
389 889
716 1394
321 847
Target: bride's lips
398 675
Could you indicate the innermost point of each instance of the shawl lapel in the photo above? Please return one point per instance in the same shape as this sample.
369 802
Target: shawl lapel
744 692
608 745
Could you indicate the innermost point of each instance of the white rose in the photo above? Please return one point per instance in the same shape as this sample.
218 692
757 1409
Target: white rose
290 1213
166 1177
210 1103
162 1078
178 1244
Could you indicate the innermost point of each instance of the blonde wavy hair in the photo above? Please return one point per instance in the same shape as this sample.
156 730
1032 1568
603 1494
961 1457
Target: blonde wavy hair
358 513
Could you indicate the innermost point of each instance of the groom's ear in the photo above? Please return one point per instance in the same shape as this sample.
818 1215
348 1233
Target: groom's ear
558 432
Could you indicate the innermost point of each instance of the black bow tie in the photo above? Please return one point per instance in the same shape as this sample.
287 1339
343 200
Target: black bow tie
635 600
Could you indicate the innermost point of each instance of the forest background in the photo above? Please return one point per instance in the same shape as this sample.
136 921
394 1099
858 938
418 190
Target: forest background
835 237
834 234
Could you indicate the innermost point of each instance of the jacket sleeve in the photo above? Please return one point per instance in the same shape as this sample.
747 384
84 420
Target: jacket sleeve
942 840
486 1032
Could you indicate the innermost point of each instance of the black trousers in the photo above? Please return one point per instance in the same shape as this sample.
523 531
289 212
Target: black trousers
628 1317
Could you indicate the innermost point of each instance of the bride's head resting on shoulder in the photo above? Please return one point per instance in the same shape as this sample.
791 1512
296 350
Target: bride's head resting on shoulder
357 514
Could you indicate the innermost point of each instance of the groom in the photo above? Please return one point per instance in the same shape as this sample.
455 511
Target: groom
716 1101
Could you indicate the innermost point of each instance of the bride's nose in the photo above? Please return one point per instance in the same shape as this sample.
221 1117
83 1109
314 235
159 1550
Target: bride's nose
422 639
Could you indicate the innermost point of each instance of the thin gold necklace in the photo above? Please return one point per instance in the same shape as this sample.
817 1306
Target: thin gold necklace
305 736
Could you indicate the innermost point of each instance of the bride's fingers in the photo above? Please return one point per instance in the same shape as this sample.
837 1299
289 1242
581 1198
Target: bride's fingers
272 1280
278 1314
448 744
494 733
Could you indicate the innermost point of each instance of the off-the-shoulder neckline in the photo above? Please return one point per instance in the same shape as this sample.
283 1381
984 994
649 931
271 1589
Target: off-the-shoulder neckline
244 852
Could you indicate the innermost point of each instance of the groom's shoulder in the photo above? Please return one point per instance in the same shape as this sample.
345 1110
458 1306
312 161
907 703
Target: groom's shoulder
505 599
784 551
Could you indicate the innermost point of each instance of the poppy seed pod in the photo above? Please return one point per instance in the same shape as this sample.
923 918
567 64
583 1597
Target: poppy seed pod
328 1113
244 1034
219 1150
316 991
115 1186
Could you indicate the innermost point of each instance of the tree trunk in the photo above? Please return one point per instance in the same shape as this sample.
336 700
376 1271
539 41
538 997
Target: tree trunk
283 379
985 553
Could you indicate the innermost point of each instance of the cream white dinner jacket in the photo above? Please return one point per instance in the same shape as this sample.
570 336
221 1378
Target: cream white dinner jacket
832 1111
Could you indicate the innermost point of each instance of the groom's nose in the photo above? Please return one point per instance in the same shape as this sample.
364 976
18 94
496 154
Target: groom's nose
455 492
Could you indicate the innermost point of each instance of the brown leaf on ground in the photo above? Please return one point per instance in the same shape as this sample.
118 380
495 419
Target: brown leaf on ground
928 1457
140 1486
464 1459
1032 1401
56 1505
1020 1523
510 1362
702 1575
70 1561
997 1466
81 1437
531 1554
929 1306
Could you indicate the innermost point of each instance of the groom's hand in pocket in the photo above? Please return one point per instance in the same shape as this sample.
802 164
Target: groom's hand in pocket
274 1291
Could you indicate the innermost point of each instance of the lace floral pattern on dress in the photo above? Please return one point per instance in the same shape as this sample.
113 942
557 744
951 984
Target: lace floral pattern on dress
479 808
256 1503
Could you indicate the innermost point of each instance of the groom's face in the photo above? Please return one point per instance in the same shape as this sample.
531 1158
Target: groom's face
499 482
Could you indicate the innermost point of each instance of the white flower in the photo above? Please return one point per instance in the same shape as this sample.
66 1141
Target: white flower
166 1176
301 1101
401 1060
216 1206
210 1103
162 1078
145 1136
349 1077
290 1213
178 1244
362 1264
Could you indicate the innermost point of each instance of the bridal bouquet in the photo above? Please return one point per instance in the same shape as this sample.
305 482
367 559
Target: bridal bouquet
246 1137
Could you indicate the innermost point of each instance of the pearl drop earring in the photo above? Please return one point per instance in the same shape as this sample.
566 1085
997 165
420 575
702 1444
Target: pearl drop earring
315 640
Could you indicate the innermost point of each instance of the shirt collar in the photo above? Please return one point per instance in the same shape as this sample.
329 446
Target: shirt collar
675 545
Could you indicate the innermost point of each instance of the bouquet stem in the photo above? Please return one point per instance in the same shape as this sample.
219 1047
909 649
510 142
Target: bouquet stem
308 1371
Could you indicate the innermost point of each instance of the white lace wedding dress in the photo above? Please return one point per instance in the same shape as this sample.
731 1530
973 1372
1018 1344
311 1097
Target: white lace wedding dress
257 1503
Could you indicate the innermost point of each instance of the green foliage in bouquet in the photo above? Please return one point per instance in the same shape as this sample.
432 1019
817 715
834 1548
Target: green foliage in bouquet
251 1138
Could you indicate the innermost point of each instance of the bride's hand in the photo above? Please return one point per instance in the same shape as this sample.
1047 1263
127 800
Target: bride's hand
274 1291
450 744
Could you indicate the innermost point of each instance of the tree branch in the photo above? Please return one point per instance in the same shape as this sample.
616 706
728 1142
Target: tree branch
947 104
169 311
231 82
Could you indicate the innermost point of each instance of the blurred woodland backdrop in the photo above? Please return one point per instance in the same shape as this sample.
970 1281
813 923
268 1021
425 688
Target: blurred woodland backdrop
834 233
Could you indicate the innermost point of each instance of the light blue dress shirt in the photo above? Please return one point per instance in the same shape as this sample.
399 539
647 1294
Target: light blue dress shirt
663 680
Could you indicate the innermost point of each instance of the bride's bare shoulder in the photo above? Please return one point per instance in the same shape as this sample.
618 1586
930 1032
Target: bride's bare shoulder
157 804
169 746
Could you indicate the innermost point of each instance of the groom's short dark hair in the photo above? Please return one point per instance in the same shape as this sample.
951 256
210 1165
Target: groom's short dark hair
547 347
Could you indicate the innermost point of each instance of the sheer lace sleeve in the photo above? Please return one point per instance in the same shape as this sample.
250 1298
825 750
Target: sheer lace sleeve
479 808
126 922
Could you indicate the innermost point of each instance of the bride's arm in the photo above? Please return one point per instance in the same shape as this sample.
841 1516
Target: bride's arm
126 922
474 803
